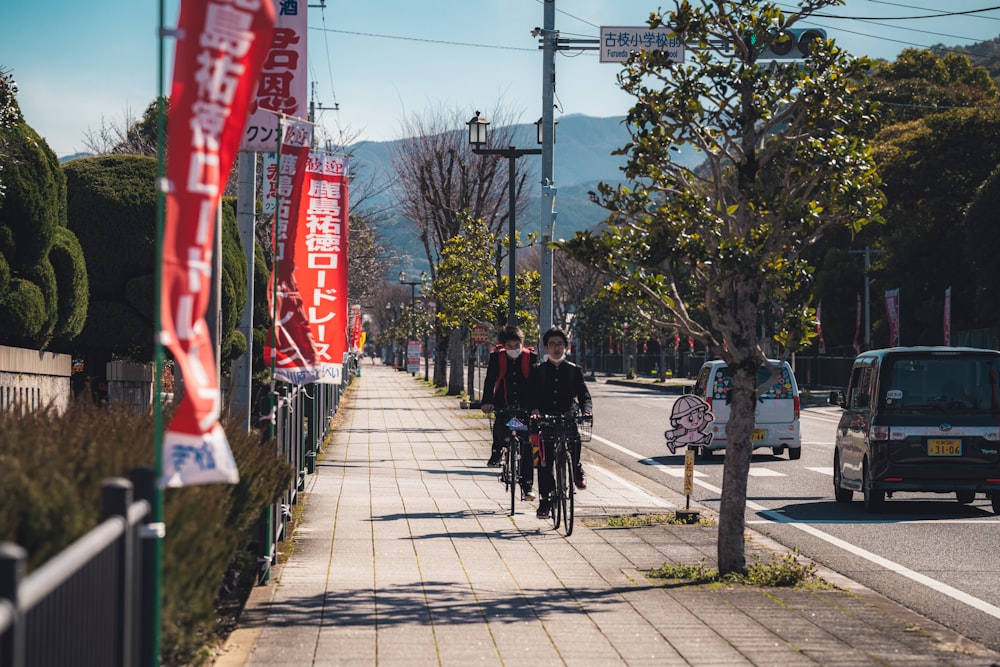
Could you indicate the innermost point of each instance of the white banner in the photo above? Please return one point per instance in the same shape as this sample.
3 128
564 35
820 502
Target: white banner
283 87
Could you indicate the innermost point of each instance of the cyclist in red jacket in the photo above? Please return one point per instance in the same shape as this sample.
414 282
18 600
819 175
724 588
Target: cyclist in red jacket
509 383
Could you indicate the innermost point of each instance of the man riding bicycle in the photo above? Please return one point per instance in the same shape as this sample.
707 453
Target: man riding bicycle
509 384
561 390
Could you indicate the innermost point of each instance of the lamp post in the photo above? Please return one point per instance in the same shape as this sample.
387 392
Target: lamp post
477 139
413 304
391 356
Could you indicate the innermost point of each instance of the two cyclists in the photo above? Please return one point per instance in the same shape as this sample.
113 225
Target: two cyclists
553 387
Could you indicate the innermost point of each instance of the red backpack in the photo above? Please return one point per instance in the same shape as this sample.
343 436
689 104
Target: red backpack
525 365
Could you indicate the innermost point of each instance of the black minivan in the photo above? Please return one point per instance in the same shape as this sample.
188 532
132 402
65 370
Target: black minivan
920 419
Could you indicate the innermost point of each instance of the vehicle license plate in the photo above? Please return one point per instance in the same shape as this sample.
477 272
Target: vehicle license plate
758 434
944 447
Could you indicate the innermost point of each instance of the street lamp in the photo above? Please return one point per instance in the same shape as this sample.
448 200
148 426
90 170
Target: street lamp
413 298
477 139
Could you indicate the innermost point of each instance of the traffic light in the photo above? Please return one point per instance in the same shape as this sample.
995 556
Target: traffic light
787 44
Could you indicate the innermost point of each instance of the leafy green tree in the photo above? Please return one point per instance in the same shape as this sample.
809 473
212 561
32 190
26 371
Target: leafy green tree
919 83
615 313
933 169
471 289
784 164
43 278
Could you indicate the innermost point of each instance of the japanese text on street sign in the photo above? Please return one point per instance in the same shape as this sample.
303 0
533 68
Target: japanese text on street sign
618 43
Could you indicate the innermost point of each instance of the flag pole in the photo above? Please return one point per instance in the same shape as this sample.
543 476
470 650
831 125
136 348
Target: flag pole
157 510
269 526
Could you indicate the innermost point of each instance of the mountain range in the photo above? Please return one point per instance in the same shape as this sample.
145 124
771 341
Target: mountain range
582 158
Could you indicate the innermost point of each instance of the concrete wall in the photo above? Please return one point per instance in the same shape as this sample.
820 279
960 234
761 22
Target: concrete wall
130 384
32 380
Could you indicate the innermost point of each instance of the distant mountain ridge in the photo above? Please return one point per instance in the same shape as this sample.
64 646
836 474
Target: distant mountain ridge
583 158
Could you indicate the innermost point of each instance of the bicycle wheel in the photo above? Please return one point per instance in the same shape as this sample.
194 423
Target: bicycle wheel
568 494
511 463
555 502
559 495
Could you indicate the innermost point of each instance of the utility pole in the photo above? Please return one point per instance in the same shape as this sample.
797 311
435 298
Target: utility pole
550 43
246 196
548 198
868 262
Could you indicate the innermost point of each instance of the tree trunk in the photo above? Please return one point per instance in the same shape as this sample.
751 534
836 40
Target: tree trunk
470 376
743 362
441 360
455 362
731 548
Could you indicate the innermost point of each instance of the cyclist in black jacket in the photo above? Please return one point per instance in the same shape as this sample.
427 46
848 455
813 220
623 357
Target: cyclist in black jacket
561 390
510 381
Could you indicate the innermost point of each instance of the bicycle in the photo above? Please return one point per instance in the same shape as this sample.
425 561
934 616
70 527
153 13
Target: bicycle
516 422
561 431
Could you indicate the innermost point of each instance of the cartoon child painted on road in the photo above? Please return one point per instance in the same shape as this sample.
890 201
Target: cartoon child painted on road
690 416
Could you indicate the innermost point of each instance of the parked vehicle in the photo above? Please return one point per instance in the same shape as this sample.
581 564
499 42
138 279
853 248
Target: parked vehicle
776 419
924 419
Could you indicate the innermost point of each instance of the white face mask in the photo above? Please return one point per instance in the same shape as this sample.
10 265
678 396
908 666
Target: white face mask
515 353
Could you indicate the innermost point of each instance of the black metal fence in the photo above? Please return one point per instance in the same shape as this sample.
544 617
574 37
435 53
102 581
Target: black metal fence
82 607
302 419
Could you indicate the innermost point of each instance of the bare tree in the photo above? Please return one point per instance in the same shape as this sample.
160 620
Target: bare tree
129 134
572 282
438 177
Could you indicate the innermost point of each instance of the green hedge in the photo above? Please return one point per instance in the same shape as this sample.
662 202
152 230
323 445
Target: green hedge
51 470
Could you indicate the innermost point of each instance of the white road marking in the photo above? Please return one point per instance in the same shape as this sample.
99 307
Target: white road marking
765 472
822 471
777 517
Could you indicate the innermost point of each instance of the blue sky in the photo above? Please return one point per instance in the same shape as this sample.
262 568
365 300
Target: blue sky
77 63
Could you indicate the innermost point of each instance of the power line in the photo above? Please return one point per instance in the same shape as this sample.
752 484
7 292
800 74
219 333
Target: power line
427 41
905 18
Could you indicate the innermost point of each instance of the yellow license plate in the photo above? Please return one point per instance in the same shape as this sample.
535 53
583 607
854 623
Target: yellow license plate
944 447
758 434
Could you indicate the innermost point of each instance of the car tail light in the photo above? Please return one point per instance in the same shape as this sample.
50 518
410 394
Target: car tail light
880 433
893 479
797 406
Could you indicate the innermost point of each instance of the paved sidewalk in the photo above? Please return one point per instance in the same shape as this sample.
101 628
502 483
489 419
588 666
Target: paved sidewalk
406 555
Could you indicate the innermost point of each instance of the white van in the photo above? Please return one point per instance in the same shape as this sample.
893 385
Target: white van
776 420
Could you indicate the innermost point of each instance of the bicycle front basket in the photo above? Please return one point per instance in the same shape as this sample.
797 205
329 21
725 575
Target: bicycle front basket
586 428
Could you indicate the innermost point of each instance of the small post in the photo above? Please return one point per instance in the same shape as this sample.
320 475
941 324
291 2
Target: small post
687 515
116 496
13 565
150 547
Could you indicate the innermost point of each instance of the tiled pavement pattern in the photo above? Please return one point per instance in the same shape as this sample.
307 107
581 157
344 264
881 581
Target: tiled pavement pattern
406 555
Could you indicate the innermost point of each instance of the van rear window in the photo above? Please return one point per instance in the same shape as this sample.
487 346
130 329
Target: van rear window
966 384
782 386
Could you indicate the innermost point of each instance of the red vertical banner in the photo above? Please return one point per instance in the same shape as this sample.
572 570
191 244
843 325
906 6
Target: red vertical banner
221 46
322 275
947 316
290 343
892 313
355 328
